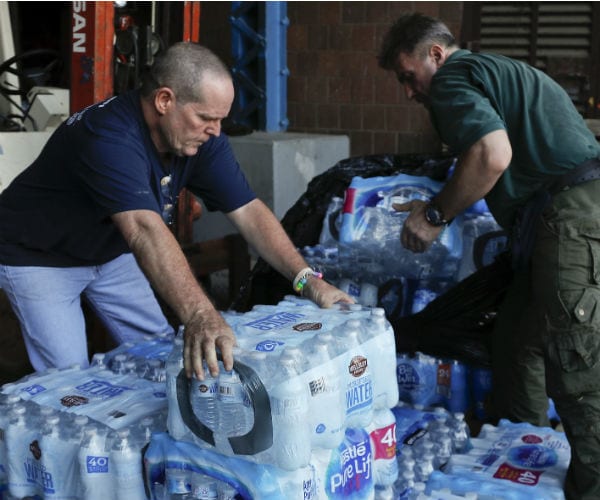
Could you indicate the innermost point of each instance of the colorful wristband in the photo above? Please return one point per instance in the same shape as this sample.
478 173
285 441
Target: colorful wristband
302 278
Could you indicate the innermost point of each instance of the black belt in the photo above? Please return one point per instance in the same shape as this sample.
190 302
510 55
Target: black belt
587 171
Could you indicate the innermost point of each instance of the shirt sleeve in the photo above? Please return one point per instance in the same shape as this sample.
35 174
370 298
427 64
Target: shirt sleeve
114 169
218 179
460 110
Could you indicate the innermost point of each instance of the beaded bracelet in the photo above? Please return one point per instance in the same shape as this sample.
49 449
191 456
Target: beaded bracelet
302 278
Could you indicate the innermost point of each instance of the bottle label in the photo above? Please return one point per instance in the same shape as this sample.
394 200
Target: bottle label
384 441
275 321
96 464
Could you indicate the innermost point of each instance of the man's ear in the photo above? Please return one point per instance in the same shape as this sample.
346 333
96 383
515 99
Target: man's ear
438 53
163 98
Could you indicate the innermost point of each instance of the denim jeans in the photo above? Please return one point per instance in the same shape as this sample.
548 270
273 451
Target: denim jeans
47 302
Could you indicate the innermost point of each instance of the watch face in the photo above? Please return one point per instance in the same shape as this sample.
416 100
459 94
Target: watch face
434 216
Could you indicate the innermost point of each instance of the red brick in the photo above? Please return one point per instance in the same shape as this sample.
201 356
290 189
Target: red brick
306 116
297 37
303 12
361 143
377 12
340 90
398 119
308 64
317 89
327 63
363 90
398 9
328 116
363 37
353 12
384 143
351 117
296 89
340 37
387 89
374 117
330 12
318 37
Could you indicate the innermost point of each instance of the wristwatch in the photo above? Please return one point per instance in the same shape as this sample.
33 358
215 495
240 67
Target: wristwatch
435 216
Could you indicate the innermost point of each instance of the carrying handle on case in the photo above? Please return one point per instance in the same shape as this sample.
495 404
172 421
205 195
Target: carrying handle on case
259 438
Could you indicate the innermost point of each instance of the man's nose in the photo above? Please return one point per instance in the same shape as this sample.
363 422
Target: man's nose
214 128
408 90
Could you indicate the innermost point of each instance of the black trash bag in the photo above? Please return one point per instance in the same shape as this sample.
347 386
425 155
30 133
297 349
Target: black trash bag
459 323
304 220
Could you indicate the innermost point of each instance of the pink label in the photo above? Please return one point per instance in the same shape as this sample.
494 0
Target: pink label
384 441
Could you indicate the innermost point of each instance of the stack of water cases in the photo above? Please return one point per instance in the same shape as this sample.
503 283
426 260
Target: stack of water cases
79 433
305 413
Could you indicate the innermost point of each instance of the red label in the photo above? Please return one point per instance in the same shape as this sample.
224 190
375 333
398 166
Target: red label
520 476
531 438
384 441
348 207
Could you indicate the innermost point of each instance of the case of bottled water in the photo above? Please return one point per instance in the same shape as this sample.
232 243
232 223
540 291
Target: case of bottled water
311 389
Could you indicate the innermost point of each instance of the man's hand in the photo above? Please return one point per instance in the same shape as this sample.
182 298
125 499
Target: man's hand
323 294
417 234
206 332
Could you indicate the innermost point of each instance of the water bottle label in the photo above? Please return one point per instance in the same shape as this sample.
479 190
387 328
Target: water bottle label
34 389
444 374
96 464
359 394
351 471
384 440
520 476
268 345
272 321
37 474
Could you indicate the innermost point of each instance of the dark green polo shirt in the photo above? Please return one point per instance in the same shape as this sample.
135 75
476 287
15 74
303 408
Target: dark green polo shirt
474 94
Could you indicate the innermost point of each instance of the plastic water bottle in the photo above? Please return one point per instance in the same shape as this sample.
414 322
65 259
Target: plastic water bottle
234 410
203 394
452 385
177 485
7 403
384 377
382 432
289 410
95 469
225 491
359 381
424 466
175 424
203 487
327 404
59 443
127 459
481 387
460 433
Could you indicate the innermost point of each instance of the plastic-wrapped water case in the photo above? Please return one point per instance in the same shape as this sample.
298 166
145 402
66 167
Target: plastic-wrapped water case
371 227
304 376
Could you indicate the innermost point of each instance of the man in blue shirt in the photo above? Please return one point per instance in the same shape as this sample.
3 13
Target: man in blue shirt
90 218
522 146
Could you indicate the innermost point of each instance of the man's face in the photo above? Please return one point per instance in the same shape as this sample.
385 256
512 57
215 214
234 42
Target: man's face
415 73
187 126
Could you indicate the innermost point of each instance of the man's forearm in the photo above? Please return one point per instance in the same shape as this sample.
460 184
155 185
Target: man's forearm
162 260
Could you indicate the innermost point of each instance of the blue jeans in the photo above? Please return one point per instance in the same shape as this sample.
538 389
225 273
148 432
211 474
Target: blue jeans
47 302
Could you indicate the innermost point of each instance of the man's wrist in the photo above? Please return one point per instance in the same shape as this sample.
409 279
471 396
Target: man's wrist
434 215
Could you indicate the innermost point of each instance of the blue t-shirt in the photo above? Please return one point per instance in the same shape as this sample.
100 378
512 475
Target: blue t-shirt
100 162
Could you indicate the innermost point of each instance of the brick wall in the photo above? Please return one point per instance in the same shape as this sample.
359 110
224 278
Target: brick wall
335 85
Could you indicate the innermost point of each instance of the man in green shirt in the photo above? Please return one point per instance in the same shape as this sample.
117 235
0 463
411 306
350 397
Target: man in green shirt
522 146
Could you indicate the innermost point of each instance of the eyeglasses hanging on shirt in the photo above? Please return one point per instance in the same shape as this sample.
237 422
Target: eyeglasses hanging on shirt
168 199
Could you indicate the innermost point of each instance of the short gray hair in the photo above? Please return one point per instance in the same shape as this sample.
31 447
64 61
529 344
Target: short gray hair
182 68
